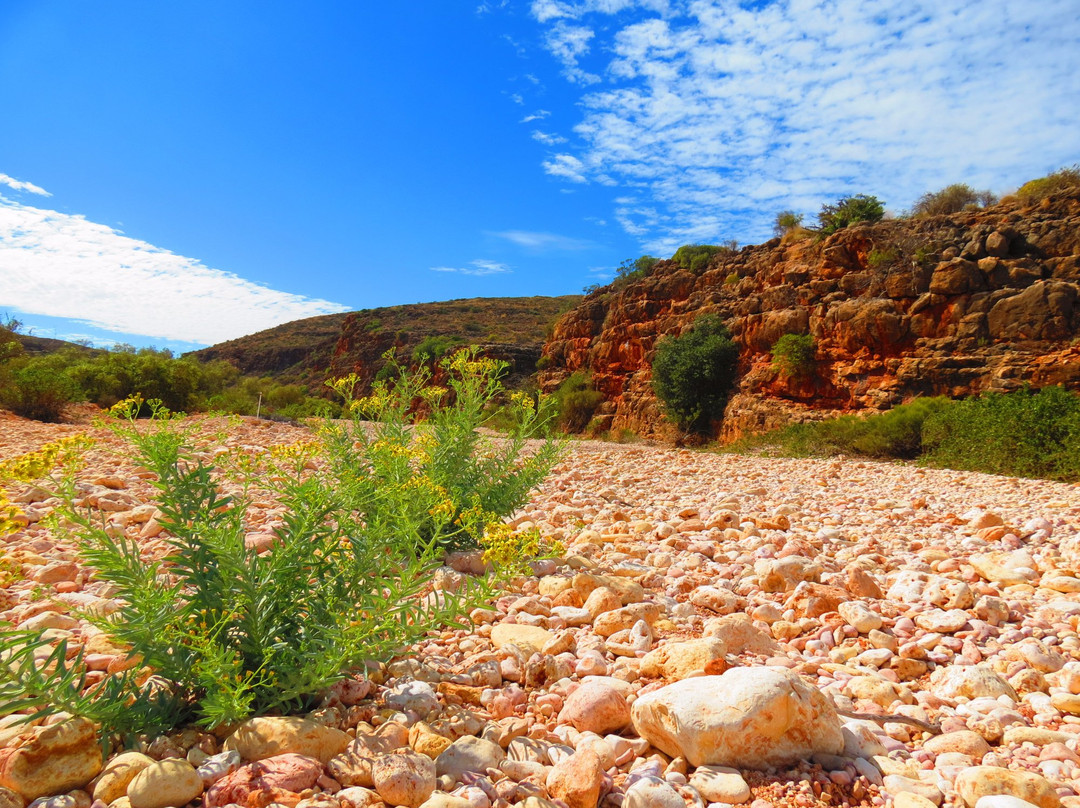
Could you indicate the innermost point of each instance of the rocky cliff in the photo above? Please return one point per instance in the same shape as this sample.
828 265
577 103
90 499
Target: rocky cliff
954 305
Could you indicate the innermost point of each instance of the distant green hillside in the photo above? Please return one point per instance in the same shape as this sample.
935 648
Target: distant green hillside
308 351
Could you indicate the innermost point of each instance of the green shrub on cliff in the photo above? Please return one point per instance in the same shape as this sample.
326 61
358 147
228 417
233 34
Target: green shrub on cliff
951 199
849 210
793 354
693 373
1064 179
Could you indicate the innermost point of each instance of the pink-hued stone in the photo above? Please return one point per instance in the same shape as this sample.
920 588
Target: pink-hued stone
269 780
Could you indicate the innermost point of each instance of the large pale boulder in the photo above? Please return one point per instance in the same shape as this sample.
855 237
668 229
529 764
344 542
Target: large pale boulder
52 760
596 707
268 736
677 660
983 781
165 783
740 635
969 681
749 718
528 638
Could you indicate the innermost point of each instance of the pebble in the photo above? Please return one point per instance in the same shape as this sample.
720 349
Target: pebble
165 783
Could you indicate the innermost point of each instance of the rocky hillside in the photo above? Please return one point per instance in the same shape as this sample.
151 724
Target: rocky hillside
311 350
942 305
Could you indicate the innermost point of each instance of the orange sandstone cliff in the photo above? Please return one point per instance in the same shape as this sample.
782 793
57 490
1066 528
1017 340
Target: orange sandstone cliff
983 300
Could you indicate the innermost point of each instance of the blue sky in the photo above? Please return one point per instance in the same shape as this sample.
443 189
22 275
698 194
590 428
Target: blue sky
179 174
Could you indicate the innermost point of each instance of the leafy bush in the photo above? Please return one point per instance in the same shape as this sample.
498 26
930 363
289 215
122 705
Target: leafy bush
693 373
893 434
952 199
849 210
434 347
793 354
696 257
229 632
1024 434
576 400
1064 179
878 258
634 269
786 221
40 390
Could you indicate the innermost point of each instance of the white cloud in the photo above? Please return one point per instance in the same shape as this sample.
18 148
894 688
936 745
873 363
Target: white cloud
61 265
566 166
546 138
480 266
539 115
569 43
534 240
517 99
719 114
19 185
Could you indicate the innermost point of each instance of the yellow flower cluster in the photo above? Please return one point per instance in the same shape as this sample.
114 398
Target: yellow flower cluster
522 401
301 450
33 466
510 551
344 385
467 364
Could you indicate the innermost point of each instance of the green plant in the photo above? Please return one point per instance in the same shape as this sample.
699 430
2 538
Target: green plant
40 390
576 400
786 221
849 210
878 258
696 257
1064 179
228 631
793 354
731 279
951 199
373 325
692 374
895 434
434 347
634 269
1026 434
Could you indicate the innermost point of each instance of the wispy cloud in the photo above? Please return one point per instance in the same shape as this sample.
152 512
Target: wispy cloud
517 98
565 166
540 241
19 185
480 266
539 115
547 138
719 114
569 43
62 265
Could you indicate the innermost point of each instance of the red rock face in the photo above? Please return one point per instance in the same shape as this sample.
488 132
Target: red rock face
984 300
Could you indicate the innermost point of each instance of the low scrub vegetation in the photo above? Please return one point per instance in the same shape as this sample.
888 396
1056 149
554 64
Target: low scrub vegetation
697 257
368 514
575 402
793 355
849 210
952 199
693 373
1024 434
1064 179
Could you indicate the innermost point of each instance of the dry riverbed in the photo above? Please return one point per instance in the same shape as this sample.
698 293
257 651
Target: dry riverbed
722 630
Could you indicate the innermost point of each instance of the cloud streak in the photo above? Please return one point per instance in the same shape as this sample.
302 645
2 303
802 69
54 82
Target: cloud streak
713 116
19 185
478 267
62 265
541 242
